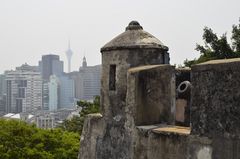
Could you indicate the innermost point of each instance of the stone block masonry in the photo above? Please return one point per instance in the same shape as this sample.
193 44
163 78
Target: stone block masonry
215 108
151 94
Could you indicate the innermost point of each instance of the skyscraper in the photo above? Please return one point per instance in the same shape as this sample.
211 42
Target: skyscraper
24 90
50 65
58 93
66 92
69 54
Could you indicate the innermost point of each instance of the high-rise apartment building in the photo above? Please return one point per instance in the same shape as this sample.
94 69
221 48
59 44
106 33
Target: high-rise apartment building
50 65
24 90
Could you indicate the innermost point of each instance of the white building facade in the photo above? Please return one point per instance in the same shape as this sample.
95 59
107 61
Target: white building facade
24 91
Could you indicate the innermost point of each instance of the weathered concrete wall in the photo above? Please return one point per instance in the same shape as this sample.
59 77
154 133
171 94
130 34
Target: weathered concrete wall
154 94
154 146
215 109
92 129
225 147
149 145
199 148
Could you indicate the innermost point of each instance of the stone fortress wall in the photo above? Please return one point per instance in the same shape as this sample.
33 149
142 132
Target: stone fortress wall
150 110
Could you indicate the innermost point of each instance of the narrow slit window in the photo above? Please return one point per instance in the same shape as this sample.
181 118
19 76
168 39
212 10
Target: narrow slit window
112 78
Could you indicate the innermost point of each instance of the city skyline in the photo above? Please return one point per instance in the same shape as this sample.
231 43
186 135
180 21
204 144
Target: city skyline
65 64
30 29
48 86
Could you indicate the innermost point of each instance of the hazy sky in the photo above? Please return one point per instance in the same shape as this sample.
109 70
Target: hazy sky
32 28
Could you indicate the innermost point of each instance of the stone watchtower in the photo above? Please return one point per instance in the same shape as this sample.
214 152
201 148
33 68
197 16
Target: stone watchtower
110 135
134 47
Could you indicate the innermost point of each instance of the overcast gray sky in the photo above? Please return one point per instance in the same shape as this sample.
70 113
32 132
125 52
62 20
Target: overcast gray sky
32 28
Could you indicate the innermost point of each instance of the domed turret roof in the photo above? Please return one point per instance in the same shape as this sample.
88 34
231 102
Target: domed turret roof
134 37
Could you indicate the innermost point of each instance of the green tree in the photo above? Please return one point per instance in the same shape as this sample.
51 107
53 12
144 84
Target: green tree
18 140
236 38
217 47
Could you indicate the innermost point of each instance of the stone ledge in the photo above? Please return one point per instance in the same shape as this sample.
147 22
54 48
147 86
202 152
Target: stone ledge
147 67
222 64
147 127
172 129
221 61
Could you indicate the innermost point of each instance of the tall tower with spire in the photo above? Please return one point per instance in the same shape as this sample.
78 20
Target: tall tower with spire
84 63
69 54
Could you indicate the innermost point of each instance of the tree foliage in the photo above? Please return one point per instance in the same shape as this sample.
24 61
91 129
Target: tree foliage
19 140
76 123
217 47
